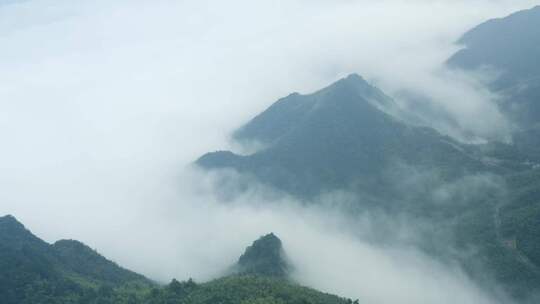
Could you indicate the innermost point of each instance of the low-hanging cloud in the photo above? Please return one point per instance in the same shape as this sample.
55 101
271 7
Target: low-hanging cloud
104 104
201 236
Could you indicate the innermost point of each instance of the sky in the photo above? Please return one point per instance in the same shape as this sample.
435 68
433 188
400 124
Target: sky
105 104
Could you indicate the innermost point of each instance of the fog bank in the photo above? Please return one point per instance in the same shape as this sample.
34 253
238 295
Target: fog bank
104 104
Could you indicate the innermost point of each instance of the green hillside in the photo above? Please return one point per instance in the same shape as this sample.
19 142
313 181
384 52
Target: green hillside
241 289
509 47
33 272
482 199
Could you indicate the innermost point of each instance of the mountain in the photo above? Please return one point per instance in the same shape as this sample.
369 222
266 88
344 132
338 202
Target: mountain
264 258
346 137
260 276
508 48
32 269
291 112
24 259
340 137
87 263
247 289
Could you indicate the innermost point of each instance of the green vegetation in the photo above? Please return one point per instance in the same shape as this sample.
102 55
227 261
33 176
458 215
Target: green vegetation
339 139
510 46
241 289
484 199
265 257
34 272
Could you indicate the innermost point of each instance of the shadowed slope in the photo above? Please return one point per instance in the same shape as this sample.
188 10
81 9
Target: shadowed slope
337 138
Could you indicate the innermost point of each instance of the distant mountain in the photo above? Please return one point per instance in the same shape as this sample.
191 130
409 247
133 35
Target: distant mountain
265 257
509 47
292 112
346 137
340 137
32 268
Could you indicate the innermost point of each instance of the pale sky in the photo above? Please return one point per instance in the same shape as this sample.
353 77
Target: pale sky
103 105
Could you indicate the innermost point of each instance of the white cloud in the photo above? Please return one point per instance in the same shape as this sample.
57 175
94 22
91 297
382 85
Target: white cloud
103 103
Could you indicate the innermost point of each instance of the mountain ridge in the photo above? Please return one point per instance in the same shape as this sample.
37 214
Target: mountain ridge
29 263
28 276
265 257
507 49
340 136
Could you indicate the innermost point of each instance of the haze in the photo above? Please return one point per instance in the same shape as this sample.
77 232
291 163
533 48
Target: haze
105 104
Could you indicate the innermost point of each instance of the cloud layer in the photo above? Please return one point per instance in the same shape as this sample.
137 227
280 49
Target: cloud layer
103 105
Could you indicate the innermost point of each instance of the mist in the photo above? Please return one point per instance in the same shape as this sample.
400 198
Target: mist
105 104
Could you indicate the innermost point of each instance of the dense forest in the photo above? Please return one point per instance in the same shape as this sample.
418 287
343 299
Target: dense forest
68 271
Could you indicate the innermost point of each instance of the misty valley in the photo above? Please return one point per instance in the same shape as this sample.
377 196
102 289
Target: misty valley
359 191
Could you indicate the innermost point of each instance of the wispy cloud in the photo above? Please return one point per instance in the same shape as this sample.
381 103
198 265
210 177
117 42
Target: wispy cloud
104 103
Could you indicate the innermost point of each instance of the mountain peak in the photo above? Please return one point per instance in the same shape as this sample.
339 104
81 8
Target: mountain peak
9 219
289 112
264 257
353 81
355 78
345 136
12 231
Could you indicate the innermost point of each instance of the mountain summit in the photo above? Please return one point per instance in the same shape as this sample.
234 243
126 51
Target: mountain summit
265 258
293 111
339 137
11 228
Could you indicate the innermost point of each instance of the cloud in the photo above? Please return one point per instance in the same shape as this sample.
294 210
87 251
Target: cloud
380 274
331 250
103 105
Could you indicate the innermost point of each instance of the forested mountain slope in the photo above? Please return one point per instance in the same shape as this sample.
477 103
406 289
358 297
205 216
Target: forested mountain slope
265 257
340 137
507 49
347 137
32 271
